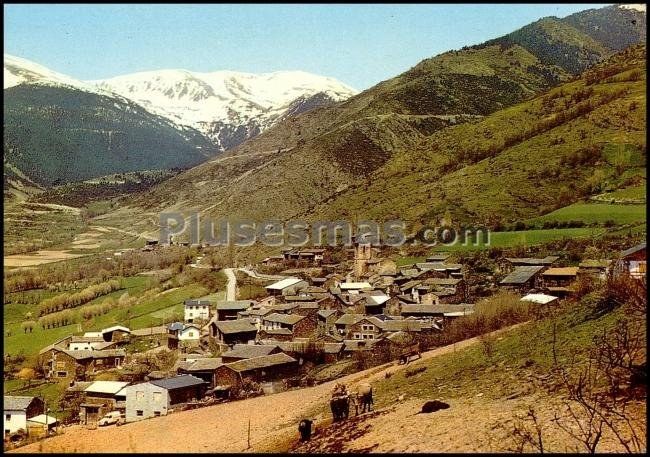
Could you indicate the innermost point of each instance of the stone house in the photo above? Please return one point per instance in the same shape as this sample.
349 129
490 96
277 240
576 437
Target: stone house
259 369
69 365
232 332
228 310
299 326
202 368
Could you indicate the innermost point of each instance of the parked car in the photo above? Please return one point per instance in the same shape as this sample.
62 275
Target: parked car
110 418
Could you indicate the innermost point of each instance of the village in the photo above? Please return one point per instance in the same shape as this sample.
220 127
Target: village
316 320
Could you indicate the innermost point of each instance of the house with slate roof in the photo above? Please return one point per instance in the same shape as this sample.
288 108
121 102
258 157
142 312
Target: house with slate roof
18 410
157 398
258 369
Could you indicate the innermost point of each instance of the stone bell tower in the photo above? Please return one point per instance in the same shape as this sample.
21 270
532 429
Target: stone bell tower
362 253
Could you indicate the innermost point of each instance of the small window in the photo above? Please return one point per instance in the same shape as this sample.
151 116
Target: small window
62 374
157 396
8 417
156 413
139 394
60 365
139 413
190 334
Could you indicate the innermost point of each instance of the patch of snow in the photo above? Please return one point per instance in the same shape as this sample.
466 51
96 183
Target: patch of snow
634 6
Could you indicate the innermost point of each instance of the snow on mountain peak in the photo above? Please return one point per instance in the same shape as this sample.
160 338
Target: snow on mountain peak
18 71
634 6
203 100
220 104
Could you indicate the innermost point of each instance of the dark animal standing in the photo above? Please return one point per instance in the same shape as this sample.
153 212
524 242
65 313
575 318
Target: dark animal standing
340 407
305 429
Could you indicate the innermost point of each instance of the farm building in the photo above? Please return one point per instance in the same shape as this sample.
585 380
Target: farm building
508 264
156 398
325 321
522 278
559 277
116 333
102 397
87 343
299 326
287 286
254 315
191 333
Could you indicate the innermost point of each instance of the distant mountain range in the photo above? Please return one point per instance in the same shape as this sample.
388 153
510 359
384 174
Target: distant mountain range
386 151
228 107
59 129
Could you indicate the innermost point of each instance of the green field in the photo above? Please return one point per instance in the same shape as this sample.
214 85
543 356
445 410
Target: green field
141 315
627 193
51 392
527 238
596 213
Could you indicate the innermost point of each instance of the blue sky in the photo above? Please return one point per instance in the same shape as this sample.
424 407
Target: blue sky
360 45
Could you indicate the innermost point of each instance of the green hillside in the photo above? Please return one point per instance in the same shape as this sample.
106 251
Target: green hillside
56 135
578 139
425 141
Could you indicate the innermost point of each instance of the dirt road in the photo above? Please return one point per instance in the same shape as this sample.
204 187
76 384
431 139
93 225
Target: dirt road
231 287
220 428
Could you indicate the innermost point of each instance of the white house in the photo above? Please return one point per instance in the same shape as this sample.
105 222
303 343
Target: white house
190 333
197 310
18 409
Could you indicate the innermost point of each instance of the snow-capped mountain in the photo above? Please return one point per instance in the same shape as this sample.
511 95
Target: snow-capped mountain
22 71
58 129
226 103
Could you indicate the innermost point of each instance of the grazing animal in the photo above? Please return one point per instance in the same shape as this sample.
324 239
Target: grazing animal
364 397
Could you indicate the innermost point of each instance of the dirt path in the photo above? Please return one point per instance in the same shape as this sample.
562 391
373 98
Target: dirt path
231 286
221 428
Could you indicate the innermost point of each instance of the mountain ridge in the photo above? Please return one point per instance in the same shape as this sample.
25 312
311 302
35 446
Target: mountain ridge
324 153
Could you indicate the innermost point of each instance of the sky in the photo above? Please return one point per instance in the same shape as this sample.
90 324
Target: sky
359 44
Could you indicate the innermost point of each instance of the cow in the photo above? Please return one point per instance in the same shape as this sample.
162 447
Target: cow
340 407
364 398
